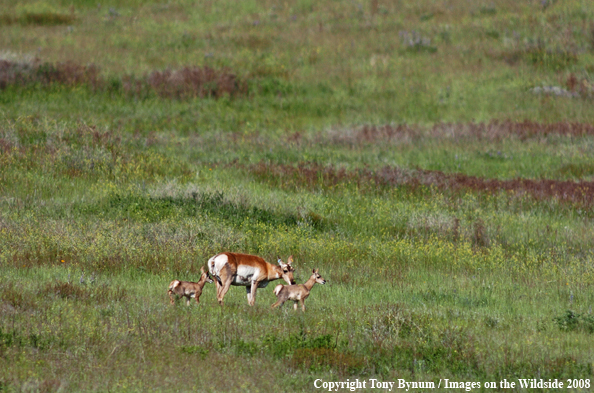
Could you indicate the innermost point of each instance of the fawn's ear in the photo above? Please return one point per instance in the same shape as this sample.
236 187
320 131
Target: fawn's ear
202 269
290 260
313 271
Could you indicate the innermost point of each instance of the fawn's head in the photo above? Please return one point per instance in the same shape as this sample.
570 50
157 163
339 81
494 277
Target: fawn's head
319 279
205 275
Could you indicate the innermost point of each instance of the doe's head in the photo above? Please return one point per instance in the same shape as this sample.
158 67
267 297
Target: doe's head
288 270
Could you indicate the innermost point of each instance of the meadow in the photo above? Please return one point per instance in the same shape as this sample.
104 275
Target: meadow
433 159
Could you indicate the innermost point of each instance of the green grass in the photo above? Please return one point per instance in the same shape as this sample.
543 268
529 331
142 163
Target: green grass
422 284
107 195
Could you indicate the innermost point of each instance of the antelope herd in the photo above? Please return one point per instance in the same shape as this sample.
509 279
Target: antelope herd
250 271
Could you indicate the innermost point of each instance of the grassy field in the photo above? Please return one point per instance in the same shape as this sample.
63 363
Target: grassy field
434 159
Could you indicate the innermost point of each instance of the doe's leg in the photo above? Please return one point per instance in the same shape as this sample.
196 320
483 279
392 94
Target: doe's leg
224 290
219 287
248 292
252 298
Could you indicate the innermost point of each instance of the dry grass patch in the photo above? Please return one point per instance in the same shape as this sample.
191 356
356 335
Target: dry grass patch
97 294
46 18
13 297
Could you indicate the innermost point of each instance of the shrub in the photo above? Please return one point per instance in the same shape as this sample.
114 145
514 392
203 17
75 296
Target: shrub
572 321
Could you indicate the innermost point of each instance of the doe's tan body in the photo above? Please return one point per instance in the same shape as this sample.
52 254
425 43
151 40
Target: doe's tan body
250 271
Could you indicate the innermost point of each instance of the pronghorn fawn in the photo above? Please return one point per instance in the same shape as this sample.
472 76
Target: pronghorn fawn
251 271
187 289
297 293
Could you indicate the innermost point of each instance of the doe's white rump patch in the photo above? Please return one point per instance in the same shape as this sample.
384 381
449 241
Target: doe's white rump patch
216 263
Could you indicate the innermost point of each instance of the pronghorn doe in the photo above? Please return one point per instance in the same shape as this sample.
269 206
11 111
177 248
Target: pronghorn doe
188 289
297 293
251 271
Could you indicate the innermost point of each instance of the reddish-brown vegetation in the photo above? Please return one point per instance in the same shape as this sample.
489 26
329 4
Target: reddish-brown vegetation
38 18
312 175
317 359
494 130
187 82
195 82
67 73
